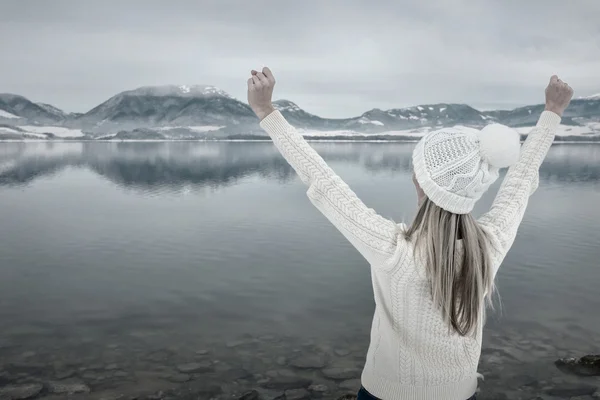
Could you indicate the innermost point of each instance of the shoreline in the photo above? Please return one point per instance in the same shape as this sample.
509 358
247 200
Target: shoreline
246 141
151 365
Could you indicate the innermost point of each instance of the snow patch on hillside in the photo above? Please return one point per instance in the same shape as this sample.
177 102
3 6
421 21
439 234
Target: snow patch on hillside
6 114
591 128
205 128
58 131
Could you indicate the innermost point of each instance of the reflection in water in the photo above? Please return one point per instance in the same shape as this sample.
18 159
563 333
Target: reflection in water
146 165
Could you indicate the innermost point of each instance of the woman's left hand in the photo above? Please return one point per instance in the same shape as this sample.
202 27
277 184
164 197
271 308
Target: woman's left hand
260 92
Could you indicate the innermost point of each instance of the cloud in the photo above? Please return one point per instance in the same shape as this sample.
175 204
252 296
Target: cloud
334 58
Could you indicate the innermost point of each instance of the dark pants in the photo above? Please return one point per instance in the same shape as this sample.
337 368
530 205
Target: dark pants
364 395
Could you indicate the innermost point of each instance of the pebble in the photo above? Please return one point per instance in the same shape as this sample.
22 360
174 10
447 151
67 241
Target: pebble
352 384
320 388
341 374
252 395
286 379
347 397
196 367
281 361
309 361
573 390
342 352
235 343
60 375
178 378
202 352
20 392
67 388
297 394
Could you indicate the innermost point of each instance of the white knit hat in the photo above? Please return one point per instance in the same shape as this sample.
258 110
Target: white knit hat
454 168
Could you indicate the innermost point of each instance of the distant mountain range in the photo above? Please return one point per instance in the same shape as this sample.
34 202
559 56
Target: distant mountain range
206 112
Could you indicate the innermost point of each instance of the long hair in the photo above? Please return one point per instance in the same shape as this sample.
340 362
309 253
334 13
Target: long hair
454 249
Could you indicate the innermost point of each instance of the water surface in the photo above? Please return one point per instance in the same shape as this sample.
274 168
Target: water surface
110 252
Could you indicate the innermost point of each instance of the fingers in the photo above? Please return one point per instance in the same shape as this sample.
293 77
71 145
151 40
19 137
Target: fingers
554 79
267 72
261 77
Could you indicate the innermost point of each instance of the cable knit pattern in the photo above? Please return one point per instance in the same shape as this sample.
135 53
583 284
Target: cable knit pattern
412 354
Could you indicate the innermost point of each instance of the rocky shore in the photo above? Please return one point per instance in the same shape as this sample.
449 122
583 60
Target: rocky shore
516 365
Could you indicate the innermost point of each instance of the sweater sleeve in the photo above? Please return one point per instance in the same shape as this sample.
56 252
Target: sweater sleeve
372 235
521 181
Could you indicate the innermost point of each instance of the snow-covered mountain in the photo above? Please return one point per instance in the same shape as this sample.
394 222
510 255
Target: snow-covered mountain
205 112
165 106
14 108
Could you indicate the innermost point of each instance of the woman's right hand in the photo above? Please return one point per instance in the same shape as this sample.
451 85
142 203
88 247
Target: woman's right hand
558 95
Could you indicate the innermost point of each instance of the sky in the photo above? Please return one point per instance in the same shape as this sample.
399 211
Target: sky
334 58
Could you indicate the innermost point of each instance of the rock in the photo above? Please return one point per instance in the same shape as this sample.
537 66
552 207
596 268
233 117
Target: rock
341 374
156 396
235 374
111 367
113 397
4 378
596 395
120 374
251 395
281 361
285 379
342 352
352 385
297 394
202 352
30 368
67 388
272 374
584 366
203 389
235 343
20 392
572 390
64 374
28 354
90 376
318 388
160 356
309 361
195 367
177 378
347 397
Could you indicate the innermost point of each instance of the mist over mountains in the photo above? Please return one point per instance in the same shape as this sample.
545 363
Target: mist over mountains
202 112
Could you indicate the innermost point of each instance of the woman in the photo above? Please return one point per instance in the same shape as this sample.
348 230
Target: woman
430 279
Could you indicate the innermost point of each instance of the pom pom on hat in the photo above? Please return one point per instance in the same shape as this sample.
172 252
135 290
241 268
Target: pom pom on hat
499 145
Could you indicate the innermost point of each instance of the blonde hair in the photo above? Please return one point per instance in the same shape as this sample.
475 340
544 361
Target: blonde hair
454 249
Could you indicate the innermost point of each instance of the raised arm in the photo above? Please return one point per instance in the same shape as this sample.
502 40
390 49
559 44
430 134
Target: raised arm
372 235
522 179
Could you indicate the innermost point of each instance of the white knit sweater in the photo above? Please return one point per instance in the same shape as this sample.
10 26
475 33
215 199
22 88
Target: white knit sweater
412 355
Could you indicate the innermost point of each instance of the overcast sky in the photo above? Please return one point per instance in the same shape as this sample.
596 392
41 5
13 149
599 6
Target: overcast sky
333 58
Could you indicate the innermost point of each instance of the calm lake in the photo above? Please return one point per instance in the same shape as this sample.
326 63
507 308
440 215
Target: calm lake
131 268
